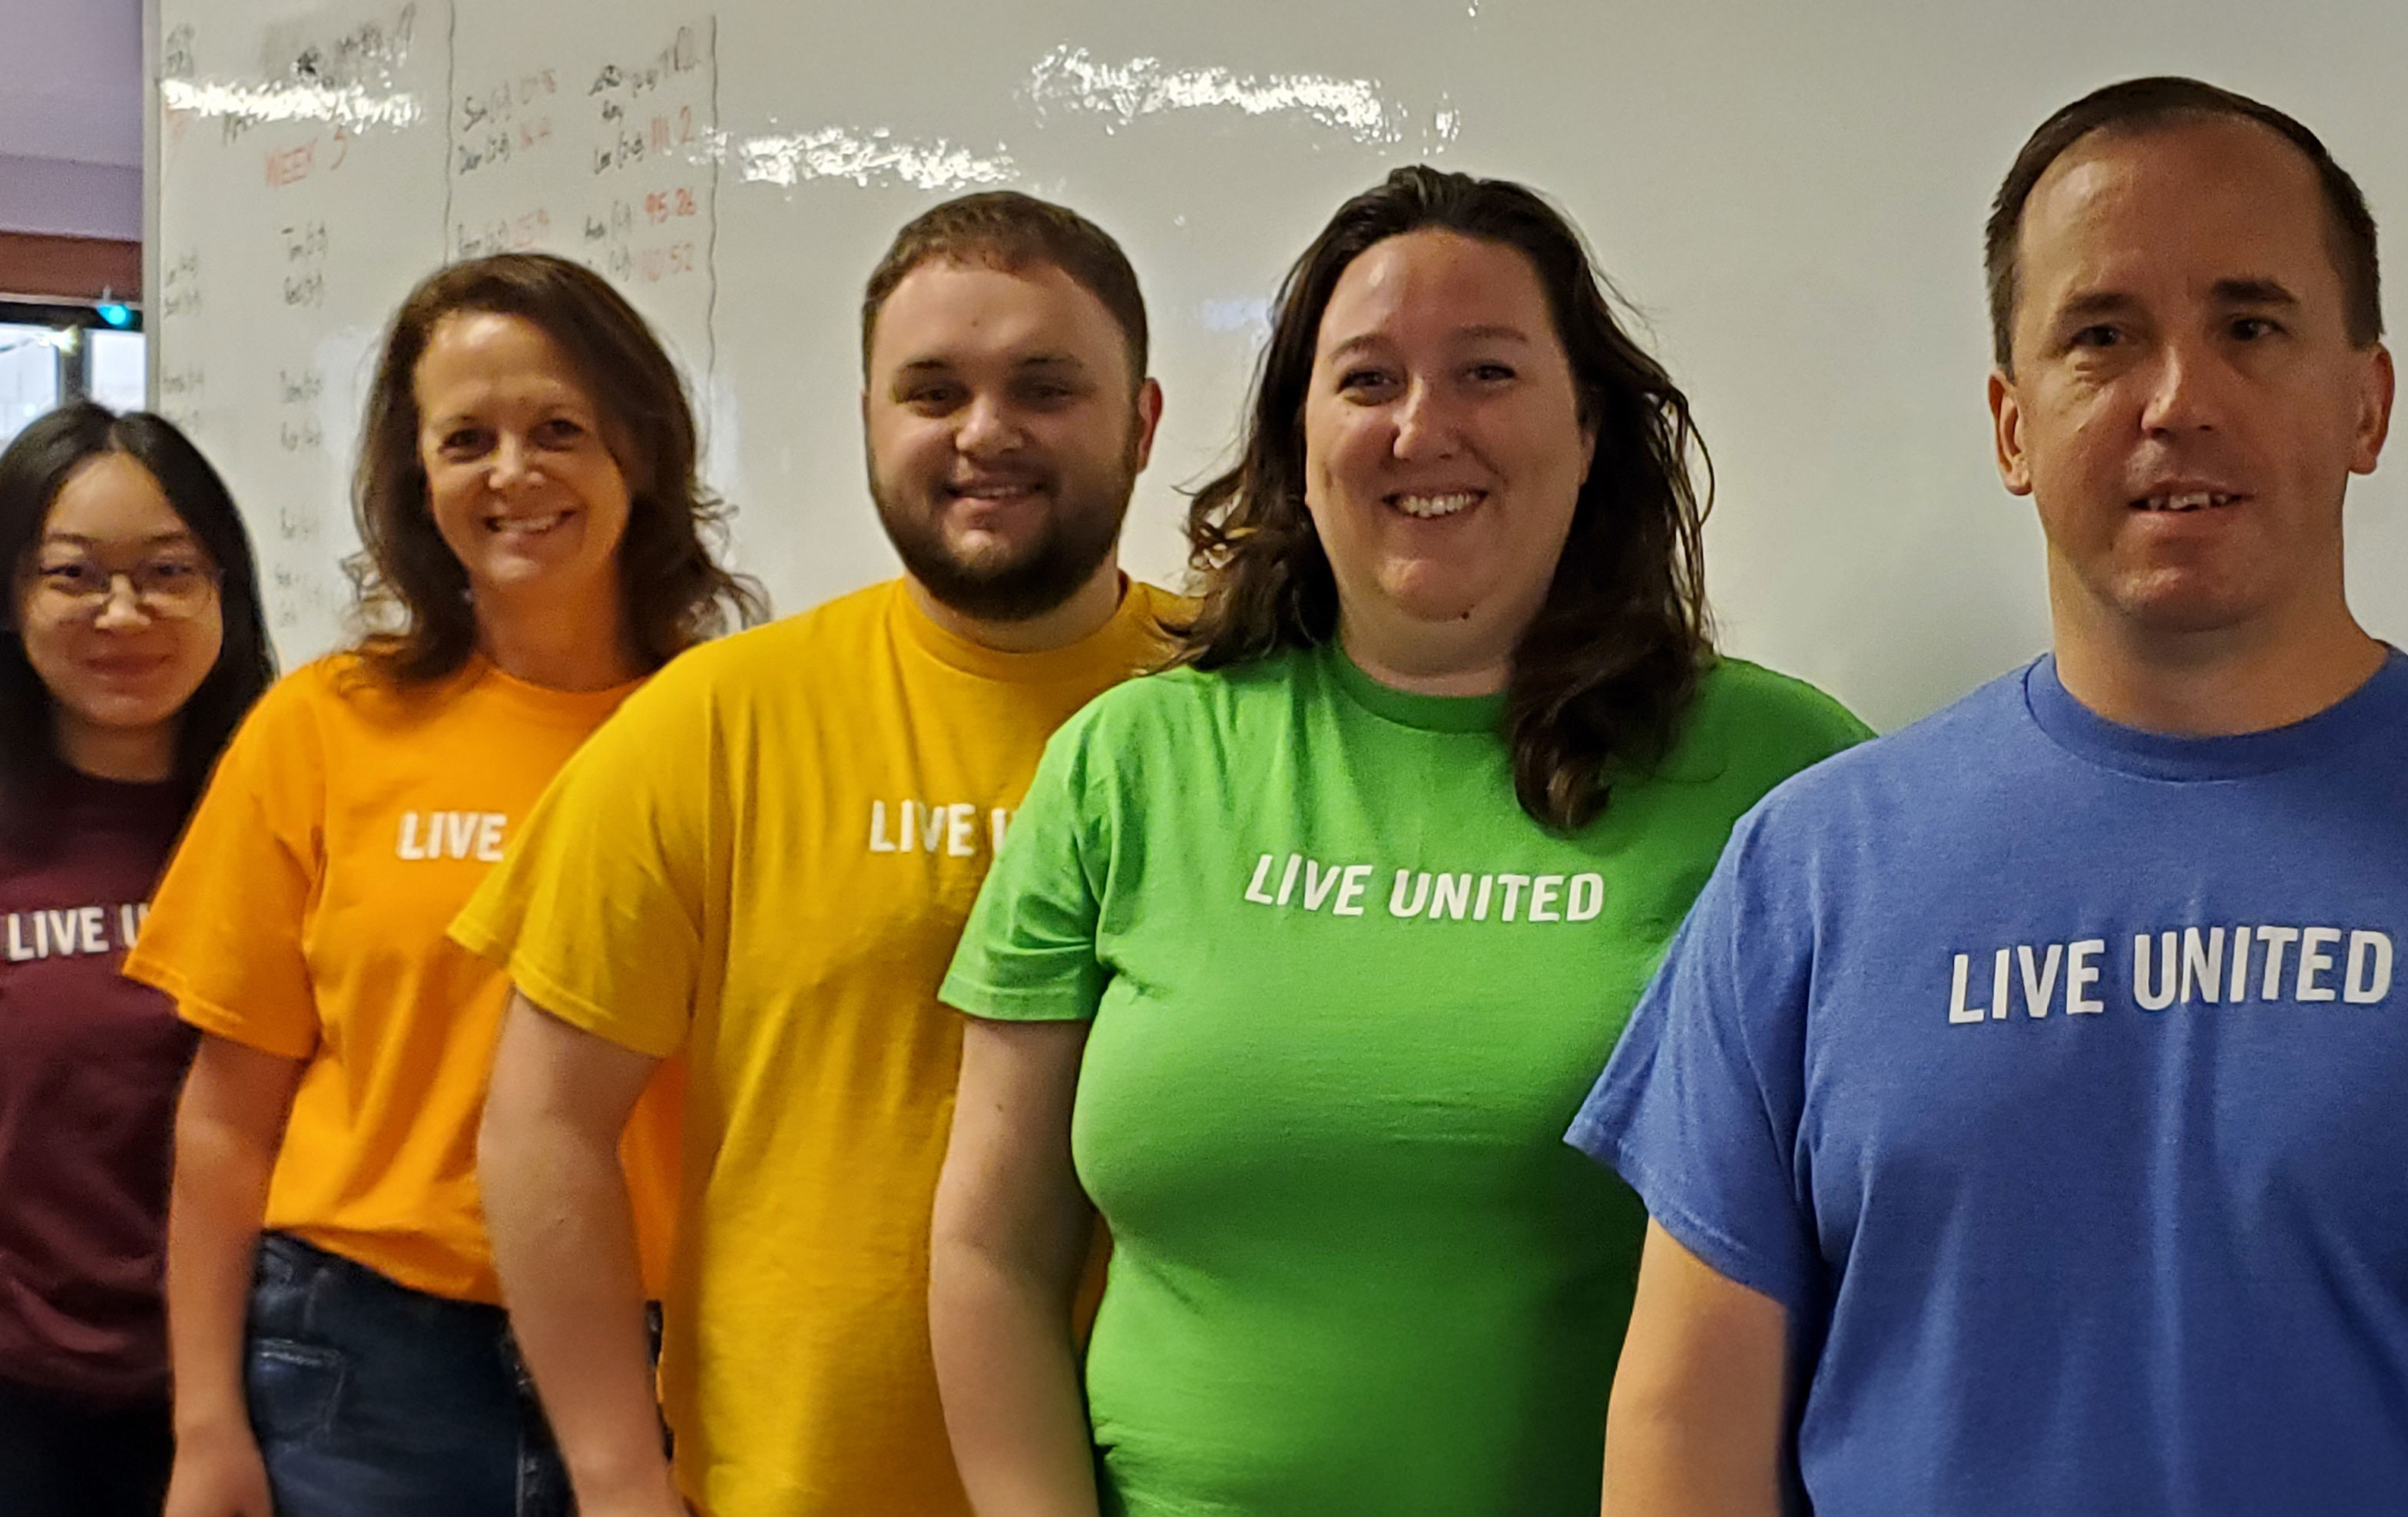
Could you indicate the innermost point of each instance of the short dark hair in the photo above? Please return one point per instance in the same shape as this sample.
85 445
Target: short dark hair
1011 231
2136 105
413 591
1605 671
33 471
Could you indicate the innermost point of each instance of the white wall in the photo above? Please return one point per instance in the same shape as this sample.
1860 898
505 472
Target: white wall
1793 195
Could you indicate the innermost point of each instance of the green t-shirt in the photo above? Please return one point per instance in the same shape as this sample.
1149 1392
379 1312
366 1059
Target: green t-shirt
1347 996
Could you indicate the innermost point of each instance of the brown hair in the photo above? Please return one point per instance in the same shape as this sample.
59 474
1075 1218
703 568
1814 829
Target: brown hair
1011 231
2137 105
413 593
1604 671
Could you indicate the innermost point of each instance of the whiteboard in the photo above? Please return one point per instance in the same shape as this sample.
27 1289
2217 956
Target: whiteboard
1792 197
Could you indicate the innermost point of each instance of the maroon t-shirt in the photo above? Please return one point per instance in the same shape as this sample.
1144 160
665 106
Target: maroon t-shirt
90 1064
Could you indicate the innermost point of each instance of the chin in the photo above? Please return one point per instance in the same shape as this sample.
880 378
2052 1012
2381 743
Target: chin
133 713
2183 610
532 576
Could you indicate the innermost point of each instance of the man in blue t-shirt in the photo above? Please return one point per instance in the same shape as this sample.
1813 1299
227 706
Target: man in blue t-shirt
2023 1106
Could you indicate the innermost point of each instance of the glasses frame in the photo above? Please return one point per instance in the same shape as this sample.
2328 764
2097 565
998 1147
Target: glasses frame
163 605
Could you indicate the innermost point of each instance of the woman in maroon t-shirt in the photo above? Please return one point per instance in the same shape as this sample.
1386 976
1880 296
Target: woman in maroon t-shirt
134 645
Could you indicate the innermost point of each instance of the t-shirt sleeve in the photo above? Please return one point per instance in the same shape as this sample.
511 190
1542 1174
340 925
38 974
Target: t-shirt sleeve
225 934
597 909
1030 951
1699 1108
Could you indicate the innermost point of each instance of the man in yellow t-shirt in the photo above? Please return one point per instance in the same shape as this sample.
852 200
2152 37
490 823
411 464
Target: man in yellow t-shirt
764 861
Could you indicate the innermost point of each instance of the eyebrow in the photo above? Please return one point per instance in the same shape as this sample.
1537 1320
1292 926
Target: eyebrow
157 540
1483 331
936 364
2236 291
2253 291
565 403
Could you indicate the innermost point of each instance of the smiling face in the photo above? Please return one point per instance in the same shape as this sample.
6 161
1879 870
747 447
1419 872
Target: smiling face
519 477
118 608
2186 406
1443 449
1005 431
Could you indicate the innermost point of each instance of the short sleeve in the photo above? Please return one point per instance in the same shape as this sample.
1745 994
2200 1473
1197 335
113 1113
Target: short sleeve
1699 1107
224 937
596 911
1028 953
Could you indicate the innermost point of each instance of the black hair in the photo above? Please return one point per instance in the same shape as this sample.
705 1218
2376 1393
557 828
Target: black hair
33 470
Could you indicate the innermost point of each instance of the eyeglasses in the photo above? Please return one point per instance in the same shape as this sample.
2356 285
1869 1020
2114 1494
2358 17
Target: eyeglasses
173 587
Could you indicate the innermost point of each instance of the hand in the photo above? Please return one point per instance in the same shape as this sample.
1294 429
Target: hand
219 1476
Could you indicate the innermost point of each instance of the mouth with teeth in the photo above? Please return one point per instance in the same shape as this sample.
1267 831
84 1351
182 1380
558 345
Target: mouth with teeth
997 490
1426 506
2185 500
525 526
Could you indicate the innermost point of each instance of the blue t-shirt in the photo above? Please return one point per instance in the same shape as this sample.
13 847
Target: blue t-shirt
2055 1077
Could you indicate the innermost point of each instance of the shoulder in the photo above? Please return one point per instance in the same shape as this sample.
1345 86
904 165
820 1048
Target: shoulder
1737 697
1748 728
1180 700
1168 608
326 689
791 654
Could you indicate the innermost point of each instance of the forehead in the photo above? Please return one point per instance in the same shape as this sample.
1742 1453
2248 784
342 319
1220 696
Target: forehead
1434 282
469 351
964 313
111 498
2177 206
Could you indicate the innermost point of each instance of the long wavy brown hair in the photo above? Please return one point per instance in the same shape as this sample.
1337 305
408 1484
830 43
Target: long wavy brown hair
417 622
1605 671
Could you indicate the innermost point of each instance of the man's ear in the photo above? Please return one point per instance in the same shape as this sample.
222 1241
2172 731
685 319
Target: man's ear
2375 409
2007 434
1149 416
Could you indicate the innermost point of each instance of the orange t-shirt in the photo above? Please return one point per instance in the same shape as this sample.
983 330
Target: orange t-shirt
304 915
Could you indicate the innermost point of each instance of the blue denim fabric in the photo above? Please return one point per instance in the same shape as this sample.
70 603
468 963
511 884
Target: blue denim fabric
370 1400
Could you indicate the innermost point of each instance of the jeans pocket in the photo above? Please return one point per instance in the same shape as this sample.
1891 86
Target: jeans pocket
293 1388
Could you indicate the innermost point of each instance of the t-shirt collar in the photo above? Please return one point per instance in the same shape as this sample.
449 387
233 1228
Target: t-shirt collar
2380 704
1121 645
579 708
1430 713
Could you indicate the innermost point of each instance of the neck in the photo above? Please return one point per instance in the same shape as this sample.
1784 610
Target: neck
2214 682
574 647
137 755
1424 658
1080 617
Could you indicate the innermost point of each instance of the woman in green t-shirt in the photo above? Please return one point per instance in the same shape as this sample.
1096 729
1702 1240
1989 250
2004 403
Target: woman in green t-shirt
1301 955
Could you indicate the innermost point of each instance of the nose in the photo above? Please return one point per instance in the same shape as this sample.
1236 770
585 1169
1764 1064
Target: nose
510 464
120 605
988 426
1426 424
2184 392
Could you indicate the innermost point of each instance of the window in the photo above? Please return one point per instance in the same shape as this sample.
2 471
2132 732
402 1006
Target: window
116 367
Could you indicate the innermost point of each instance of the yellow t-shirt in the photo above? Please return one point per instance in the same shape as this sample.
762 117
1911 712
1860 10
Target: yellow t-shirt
304 915
764 860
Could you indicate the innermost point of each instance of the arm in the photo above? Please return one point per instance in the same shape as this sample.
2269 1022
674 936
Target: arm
1700 1410
229 1124
1011 1232
565 1244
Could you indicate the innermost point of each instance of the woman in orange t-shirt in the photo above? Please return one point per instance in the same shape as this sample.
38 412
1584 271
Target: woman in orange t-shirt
534 534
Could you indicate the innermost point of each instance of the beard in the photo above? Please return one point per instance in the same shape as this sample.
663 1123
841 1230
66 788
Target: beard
1019 583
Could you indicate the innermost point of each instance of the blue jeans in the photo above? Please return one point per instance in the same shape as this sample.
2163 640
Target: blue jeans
370 1400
